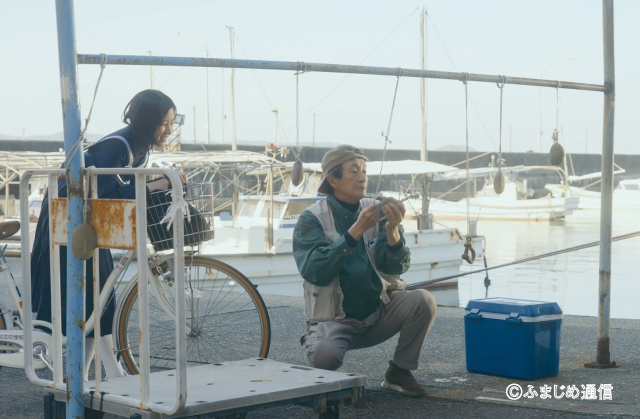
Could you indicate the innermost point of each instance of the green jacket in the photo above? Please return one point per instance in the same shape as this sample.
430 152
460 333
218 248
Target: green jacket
319 260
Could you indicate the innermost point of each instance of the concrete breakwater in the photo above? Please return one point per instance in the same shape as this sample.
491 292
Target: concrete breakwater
579 163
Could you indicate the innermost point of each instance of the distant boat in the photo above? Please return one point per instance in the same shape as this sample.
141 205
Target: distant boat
626 196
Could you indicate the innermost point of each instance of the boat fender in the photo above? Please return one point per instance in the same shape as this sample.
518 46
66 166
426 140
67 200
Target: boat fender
498 182
556 154
297 173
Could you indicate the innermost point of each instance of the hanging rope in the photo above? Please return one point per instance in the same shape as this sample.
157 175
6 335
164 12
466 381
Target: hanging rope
556 153
297 172
529 259
469 254
466 127
67 160
501 86
386 137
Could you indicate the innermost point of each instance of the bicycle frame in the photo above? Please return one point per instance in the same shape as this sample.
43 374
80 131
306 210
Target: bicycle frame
178 313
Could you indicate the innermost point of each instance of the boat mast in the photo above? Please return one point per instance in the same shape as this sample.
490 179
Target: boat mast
423 220
423 116
233 96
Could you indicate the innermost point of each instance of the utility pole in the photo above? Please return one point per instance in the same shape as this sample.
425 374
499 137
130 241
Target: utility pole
150 75
313 141
194 124
234 146
423 93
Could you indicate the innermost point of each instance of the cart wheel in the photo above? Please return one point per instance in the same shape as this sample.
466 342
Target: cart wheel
333 412
237 416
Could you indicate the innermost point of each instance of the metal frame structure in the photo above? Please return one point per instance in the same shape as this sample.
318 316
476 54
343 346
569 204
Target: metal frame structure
58 383
69 61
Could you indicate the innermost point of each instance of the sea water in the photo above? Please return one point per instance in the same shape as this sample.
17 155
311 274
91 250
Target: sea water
570 279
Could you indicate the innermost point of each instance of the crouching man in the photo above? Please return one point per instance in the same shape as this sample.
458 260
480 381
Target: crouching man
351 260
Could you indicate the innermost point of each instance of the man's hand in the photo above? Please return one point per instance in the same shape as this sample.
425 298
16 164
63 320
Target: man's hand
367 219
394 214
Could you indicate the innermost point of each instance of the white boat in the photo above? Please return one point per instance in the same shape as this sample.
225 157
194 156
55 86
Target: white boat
513 204
243 243
626 196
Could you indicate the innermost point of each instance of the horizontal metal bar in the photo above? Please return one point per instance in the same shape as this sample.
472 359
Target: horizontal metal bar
327 68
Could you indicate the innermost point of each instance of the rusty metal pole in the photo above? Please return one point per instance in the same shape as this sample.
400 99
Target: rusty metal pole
603 357
75 267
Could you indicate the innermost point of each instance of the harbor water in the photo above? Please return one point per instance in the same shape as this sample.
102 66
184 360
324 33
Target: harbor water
570 279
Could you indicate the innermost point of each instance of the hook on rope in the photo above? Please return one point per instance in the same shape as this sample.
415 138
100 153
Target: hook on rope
468 248
400 72
466 78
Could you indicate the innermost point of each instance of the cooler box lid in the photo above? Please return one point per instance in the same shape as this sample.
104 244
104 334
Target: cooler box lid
502 308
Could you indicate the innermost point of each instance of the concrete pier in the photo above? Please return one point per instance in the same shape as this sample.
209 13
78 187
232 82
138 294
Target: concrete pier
453 392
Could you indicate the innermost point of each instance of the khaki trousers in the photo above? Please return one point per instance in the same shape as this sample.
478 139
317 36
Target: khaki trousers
411 313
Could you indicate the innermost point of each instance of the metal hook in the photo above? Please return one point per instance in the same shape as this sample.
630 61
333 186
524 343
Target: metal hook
401 72
468 248
466 78
103 61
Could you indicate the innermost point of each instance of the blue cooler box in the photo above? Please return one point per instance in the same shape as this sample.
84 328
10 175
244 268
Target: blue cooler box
513 338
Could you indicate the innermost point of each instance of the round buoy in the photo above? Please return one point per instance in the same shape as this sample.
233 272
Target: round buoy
297 173
556 154
84 241
498 182
390 200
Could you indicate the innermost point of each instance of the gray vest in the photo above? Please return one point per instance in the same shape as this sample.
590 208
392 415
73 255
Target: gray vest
325 303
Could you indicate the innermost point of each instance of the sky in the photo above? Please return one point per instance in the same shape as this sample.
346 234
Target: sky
510 37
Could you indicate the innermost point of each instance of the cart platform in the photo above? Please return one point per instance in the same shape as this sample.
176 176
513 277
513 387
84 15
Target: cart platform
230 388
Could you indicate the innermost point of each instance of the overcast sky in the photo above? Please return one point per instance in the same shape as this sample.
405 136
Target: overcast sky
515 38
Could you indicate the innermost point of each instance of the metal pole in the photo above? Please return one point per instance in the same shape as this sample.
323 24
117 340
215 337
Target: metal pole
234 147
586 144
603 356
423 122
75 194
194 124
329 68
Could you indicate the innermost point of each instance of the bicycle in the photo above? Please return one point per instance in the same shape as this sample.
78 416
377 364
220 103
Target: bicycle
226 316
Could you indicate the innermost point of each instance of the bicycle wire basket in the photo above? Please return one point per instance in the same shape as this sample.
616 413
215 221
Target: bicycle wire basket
198 227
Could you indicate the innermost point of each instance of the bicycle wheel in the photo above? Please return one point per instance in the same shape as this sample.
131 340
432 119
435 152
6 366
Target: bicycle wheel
226 318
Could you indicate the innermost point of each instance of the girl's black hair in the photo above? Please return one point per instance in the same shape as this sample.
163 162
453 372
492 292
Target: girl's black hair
144 113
